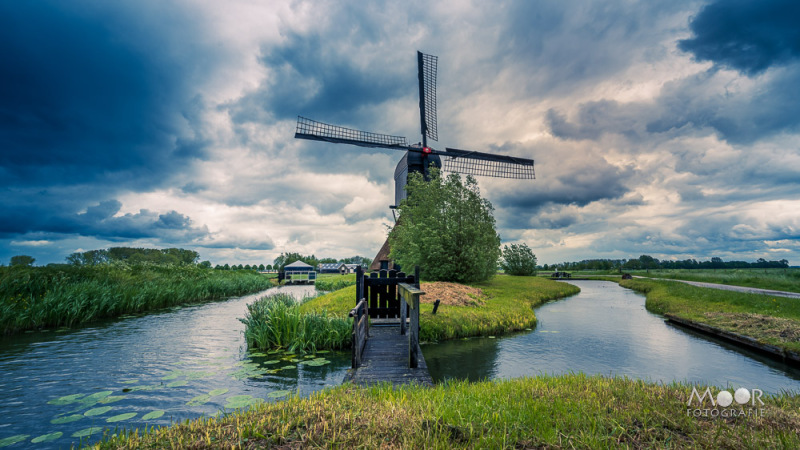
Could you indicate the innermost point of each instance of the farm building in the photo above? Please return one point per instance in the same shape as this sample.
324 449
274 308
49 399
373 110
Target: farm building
298 267
333 268
351 268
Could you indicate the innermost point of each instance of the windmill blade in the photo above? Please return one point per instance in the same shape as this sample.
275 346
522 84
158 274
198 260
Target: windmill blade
318 131
426 73
486 164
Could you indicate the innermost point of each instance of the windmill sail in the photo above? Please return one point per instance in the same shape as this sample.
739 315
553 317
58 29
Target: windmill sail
486 164
426 66
318 131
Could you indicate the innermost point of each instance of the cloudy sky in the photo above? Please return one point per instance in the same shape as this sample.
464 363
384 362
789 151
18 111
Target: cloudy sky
668 128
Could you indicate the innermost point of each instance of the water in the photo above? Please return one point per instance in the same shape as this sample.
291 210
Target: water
606 330
160 362
156 362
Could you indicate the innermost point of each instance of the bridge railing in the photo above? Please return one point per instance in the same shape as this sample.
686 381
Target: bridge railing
360 315
409 307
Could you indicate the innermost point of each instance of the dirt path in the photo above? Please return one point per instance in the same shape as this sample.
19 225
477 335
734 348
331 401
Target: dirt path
727 287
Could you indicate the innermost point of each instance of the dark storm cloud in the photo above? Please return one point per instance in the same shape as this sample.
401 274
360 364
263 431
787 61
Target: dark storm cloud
748 36
93 100
690 106
563 44
86 96
100 221
329 79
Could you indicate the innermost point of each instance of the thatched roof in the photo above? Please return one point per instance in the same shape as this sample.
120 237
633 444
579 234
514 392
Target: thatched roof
383 255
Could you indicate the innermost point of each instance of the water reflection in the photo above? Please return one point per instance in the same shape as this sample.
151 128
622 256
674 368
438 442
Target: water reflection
606 330
149 363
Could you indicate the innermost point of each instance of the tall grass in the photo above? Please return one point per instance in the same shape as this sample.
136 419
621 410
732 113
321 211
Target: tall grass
567 411
36 297
276 322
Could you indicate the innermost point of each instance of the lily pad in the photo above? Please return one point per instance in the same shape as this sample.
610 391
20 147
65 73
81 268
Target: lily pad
134 381
258 354
178 383
216 392
153 415
47 437
321 352
96 397
199 400
87 432
272 361
11 440
111 399
67 419
65 400
241 401
97 411
288 367
277 394
171 376
120 417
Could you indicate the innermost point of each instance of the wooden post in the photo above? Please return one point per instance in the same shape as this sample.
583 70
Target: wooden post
360 331
359 284
410 297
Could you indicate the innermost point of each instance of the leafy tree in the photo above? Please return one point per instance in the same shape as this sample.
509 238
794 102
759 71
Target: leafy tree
22 260
261 267
288 258
518 260
226 267
205 264
447 229
328 261
269 266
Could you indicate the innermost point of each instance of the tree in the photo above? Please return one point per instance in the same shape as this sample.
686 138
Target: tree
261 267
22 260
447 229
205 264
518 260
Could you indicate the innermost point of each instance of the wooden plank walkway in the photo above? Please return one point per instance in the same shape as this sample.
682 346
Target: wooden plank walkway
385 359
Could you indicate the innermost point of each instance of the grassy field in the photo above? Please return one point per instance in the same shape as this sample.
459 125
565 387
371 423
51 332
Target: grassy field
328 282
569 411
41 297
509 308
771 320
775 279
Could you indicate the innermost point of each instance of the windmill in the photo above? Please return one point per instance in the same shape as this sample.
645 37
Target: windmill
418 157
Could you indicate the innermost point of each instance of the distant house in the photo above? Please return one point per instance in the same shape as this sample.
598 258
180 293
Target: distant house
333 268
351 268
298 267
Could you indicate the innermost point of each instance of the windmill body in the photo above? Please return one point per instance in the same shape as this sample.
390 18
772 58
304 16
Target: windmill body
419 157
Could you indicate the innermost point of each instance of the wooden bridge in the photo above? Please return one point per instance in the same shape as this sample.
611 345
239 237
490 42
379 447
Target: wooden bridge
386 330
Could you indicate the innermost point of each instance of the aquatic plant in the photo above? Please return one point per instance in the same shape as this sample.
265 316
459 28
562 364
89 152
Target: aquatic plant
276 322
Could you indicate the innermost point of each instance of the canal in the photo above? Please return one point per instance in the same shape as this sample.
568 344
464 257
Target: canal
61 388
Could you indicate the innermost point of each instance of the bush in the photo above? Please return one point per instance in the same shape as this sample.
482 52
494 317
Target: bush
447 229
518 260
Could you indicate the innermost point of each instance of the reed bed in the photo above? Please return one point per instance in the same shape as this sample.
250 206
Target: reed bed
567 411
67 296
276 322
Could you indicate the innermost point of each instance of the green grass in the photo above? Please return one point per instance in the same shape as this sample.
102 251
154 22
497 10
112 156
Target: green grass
41 297
275 322
509 308
775 279
328 282
565 411
771 320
